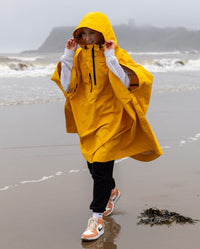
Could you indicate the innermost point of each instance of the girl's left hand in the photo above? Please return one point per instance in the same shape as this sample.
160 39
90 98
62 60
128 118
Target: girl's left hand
109 44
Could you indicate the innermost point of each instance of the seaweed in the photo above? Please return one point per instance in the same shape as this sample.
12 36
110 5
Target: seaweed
154 216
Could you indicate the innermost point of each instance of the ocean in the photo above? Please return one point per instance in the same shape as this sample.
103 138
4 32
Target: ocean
25 78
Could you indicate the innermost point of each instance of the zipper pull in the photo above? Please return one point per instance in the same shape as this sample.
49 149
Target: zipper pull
90 80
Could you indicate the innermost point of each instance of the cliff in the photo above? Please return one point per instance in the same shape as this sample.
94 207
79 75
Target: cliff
133 38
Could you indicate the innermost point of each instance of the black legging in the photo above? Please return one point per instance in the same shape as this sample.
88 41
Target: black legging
102 174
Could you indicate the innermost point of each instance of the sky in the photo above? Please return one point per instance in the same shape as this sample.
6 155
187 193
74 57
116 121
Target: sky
25 24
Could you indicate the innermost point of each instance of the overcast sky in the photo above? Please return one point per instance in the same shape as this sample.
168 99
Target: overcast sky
25 24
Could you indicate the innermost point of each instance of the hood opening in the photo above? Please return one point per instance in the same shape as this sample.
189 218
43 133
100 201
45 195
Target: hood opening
79 39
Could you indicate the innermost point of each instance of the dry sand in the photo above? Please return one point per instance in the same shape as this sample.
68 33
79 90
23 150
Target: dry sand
46 188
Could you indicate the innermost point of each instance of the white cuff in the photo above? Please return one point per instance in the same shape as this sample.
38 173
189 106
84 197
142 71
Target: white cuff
115 67
68 55
109 53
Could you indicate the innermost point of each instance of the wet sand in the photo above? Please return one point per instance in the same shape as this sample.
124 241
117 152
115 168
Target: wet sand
45 204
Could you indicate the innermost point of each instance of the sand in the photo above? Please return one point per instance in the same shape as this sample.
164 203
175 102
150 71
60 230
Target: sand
45 188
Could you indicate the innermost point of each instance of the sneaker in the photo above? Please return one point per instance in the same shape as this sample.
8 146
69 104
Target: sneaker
94 229
115 194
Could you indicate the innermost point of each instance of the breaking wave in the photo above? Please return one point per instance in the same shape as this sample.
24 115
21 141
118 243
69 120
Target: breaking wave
172 65
25 79
175 61
18 66
25 69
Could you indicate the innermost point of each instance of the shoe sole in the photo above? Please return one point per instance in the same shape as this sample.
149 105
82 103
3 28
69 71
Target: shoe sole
93 238
115 201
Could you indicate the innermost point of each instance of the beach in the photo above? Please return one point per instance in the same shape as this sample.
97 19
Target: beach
46 188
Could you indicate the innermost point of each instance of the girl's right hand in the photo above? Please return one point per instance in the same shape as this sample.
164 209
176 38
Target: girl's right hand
71 44
109 44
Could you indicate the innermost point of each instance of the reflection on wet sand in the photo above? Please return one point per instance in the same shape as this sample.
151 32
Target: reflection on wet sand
106 241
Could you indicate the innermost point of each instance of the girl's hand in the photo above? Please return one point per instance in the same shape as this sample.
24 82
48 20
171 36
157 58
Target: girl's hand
109 44
71 44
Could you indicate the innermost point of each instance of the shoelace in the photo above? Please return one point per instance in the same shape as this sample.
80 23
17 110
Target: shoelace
92 223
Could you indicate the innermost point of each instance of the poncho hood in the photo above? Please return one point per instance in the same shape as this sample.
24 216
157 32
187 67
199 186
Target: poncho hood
96 21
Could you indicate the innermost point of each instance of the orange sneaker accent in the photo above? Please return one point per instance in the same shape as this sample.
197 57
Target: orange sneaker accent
115 194
94 229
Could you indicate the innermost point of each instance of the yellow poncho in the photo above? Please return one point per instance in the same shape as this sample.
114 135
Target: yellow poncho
108 117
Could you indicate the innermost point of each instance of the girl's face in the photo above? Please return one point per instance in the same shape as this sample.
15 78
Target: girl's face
91 36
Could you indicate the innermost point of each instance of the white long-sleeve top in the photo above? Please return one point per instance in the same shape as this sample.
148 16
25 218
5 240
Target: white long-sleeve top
67 61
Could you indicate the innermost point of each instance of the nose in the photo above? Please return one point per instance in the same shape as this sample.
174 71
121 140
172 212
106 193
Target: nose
86 37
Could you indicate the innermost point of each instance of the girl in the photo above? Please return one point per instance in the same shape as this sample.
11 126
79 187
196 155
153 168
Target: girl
107 96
